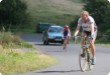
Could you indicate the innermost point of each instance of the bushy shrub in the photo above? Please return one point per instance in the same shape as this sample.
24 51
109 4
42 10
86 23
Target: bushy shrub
13 13
12 41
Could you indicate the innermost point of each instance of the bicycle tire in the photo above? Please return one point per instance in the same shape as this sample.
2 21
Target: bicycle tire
83 61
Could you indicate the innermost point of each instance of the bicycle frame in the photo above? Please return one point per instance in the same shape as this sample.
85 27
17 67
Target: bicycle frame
87 48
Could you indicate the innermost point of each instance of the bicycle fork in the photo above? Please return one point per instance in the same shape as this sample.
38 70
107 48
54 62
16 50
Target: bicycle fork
88 54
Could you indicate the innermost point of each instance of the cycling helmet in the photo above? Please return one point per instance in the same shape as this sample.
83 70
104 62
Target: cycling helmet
66 27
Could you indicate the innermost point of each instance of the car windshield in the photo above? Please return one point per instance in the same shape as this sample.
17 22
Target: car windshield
55 29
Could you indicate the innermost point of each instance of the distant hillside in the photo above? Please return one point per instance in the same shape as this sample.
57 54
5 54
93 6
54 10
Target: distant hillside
54 6
54 11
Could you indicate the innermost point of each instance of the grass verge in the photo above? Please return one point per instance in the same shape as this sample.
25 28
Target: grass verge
8 40
102 44
96 43
17 56
21 62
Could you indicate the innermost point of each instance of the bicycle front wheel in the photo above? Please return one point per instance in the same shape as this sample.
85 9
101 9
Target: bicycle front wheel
83 61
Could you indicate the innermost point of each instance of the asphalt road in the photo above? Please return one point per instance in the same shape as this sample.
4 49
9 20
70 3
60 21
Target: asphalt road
68 60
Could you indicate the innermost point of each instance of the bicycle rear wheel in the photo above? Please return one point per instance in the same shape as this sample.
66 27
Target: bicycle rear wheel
83 61
90 66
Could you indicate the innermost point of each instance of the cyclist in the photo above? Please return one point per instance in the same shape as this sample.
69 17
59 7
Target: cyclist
89 29
66 35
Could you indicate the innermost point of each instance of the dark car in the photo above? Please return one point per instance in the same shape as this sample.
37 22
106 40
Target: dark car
42 27
53 35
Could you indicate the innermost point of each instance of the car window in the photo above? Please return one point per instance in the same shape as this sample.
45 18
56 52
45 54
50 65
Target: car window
55 29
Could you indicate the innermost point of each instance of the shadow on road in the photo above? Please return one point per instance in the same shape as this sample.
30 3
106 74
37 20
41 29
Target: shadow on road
56 51
52 45
58 71
49 45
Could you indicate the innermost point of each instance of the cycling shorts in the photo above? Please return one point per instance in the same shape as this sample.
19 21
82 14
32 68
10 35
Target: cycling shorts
88 33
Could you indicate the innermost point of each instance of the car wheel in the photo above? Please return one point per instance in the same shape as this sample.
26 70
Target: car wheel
47 42
44 42
62 42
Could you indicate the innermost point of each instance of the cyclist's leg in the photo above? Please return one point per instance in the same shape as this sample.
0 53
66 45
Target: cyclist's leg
93 51
65 42
93 46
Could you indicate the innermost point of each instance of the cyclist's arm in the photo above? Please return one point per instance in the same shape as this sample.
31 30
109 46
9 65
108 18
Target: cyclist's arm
77 30
78 27
92 28
69 33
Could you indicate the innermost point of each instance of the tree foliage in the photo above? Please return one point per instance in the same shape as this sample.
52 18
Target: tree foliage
99 9
13 12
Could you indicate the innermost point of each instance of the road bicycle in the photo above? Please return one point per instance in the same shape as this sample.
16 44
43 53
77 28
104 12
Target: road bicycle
66 41
85 62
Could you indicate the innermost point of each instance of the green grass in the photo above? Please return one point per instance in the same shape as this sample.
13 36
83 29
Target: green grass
7 40
17 56
97 42
21 62
59 12
103 44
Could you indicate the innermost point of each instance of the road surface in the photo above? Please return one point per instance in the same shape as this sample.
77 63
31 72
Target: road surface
68 60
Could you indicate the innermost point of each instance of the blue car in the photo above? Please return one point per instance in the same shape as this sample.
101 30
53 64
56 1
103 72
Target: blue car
53 35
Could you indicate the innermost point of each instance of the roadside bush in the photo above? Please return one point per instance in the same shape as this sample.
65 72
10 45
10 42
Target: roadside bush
73 22
7 40
13 13
105 37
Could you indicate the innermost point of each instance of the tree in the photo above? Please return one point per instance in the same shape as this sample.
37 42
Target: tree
13 12
98 9
107 19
